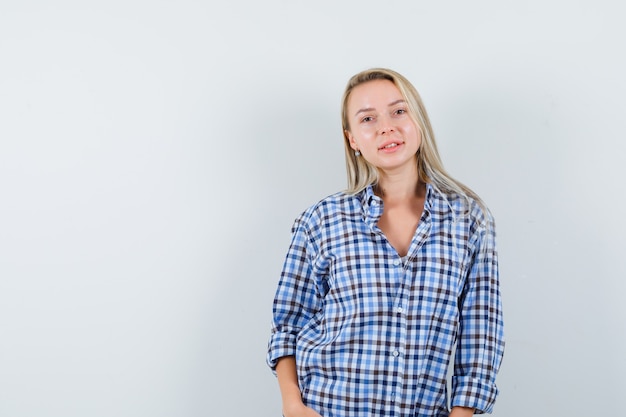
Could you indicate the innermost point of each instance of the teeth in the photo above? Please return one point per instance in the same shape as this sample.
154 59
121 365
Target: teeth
391 145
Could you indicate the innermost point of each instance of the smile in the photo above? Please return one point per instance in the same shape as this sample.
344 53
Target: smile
390 145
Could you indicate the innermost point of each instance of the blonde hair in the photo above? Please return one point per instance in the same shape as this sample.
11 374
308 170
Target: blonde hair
429 165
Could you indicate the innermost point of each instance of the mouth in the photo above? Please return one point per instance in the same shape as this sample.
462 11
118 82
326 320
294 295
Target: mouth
390 145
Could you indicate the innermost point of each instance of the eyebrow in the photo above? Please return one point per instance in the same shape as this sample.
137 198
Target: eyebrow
393 103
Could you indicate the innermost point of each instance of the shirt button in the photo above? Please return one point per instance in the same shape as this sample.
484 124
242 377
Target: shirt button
374 203
400 310
395 353
396 262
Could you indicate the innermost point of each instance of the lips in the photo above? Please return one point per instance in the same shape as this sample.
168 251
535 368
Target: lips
389 145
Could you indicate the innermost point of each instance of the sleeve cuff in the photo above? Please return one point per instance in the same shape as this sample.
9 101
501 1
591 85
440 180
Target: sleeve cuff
473 393
280 344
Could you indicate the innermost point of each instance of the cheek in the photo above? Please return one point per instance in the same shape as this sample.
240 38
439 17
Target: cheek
365 133
415 132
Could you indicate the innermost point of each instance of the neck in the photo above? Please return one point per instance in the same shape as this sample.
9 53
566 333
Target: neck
399 186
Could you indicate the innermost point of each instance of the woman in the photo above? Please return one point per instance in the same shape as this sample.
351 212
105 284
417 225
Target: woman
381 282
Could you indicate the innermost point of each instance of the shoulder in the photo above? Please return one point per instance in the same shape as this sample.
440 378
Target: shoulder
468 218
340 203
324 220
462 208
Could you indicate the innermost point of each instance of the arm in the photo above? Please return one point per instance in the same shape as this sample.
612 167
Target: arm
480 344
295 303
296 299
289 389
461 412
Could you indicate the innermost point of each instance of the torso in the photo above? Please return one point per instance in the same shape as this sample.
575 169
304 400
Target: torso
366 297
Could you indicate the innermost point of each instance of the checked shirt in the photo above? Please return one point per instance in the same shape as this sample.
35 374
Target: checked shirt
373 333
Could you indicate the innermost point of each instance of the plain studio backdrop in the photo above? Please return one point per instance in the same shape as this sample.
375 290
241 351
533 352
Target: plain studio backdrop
154 155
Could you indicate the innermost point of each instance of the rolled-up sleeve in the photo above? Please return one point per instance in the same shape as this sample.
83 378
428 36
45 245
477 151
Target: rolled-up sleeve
480 344
296 299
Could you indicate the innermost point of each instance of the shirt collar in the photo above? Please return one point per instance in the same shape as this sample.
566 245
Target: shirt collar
428 199
373 205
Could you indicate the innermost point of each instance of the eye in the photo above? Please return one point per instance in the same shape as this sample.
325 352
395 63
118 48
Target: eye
367 119
400 111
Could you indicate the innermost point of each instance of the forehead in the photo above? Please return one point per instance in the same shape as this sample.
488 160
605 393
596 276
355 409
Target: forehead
374 93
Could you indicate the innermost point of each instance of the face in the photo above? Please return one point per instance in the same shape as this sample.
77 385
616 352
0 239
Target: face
381 128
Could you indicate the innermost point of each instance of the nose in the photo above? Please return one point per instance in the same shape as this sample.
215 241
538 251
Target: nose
385 126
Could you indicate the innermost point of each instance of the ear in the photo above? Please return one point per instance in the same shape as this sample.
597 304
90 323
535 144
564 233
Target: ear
351 140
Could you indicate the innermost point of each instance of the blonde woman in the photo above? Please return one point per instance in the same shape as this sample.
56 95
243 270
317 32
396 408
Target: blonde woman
383 281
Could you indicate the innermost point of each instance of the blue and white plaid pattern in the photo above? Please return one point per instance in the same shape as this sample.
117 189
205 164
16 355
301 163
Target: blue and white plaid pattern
373 334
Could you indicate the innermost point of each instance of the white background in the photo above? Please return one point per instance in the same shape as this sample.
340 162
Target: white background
154 154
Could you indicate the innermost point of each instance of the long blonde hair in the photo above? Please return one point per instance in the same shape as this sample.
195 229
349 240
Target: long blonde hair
429 166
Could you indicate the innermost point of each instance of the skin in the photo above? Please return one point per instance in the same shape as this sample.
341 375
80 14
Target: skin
378 117
290 391
382 130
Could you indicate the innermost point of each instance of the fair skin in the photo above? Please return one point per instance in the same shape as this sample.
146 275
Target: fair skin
290 391
382 130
